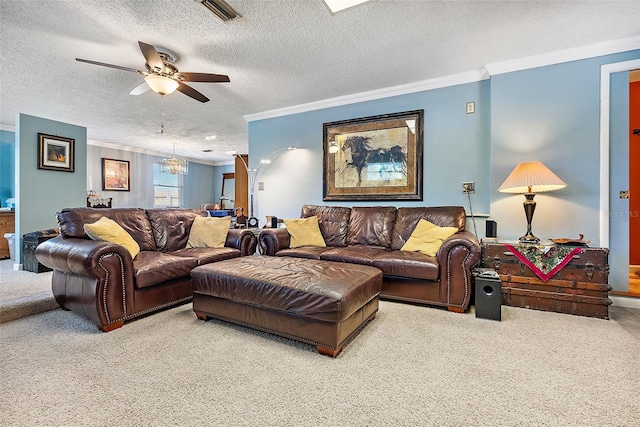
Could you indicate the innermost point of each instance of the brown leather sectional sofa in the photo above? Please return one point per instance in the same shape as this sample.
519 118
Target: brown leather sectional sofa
102 282
374 235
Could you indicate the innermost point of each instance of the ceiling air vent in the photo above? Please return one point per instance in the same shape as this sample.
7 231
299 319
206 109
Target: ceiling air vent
220 8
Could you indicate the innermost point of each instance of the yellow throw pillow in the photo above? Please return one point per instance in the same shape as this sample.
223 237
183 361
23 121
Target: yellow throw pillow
427 238
304 232
107 230
209 232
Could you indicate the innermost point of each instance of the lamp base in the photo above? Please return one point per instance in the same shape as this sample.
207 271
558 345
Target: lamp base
529 238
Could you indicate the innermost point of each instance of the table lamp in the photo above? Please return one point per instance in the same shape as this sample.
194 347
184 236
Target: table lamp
529 178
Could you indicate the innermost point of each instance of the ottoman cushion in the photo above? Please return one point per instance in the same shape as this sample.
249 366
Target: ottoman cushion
321 290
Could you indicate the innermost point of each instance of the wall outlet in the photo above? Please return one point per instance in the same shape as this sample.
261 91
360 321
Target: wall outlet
468 187
261 186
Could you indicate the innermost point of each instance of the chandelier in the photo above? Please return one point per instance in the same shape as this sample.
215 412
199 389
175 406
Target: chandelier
174 166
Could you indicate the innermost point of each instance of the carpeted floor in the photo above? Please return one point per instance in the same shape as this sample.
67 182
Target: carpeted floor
411 366
23 293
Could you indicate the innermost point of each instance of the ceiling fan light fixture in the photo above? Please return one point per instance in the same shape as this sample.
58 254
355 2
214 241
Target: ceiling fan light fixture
220 8
161 85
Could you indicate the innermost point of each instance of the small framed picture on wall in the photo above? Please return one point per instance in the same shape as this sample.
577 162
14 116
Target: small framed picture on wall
115 175
55 153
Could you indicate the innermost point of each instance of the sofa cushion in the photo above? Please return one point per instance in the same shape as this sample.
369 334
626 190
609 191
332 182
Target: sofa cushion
133 220
311 252
207 255
107 230
333 222
209 232
371 226
407 220
412 265
427 238
171 227
153 267
304 232
358 254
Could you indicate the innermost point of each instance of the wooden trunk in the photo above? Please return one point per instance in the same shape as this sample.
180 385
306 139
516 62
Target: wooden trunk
580 288
30 242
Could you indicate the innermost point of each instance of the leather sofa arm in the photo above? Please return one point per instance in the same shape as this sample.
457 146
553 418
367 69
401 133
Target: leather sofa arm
79 256
466 241
272 240
457 256
92 278
243 239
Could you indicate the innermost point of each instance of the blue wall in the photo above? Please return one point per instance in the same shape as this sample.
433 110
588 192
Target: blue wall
456 149
7 166
41 193
550 114
199 184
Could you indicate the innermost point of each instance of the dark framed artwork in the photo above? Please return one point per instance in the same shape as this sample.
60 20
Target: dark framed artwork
374 158
56 153
115 175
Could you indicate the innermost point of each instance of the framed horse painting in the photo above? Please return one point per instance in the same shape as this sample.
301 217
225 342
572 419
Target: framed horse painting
374 158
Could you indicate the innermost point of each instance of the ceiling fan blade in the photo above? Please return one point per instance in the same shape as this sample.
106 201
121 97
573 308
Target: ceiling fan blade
204 77
117 67
151 55
189 91
140 89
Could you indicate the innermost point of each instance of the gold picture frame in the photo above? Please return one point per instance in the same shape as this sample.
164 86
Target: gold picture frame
56 153
374 158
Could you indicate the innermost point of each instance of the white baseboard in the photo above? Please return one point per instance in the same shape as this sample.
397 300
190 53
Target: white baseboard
17 267
629 302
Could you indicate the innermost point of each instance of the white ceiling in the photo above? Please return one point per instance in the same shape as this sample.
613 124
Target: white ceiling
280 53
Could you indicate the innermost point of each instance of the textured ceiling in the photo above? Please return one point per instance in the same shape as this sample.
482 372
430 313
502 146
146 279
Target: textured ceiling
278 54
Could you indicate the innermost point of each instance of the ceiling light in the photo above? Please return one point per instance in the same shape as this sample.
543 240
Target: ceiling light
265 161
338 5
210 137
231 152
173 165
220 8
161 85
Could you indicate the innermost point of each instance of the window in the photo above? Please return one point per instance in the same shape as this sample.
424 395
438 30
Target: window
167 188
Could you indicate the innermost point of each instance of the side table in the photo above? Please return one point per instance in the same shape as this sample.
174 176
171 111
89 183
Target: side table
579 287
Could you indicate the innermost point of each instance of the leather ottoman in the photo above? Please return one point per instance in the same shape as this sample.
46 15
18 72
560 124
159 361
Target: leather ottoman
322 303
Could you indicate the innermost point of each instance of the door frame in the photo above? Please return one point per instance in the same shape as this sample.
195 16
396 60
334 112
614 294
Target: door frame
605 104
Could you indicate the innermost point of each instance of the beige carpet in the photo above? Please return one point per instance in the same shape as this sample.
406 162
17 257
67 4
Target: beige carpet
23 293
412 366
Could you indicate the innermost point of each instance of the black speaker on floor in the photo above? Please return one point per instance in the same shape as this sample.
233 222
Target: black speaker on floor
491 229
488 289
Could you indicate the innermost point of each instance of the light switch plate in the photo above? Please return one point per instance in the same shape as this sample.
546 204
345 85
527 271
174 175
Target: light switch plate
261 186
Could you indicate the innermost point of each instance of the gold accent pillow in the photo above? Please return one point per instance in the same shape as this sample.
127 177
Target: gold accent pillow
209 232
107 230
427 238
304 232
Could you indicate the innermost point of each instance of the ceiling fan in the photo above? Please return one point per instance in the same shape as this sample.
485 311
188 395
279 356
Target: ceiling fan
162 76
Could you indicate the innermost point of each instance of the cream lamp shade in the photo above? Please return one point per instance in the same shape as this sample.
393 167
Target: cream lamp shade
529 178
161 85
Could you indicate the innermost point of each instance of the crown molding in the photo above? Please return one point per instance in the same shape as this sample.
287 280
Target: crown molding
7 128
437 83
147 152
566 55
557 57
